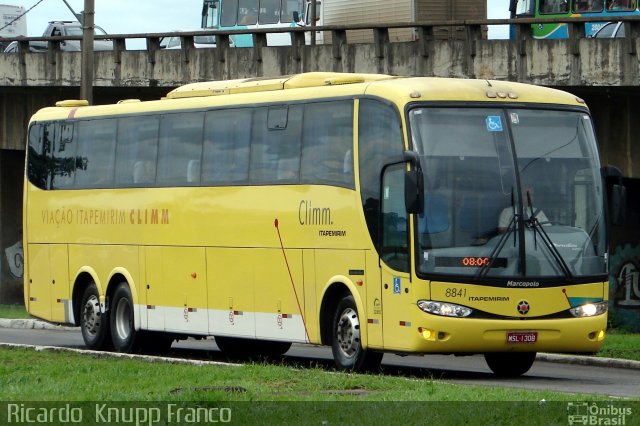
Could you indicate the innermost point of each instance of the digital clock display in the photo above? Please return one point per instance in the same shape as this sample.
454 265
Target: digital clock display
470 262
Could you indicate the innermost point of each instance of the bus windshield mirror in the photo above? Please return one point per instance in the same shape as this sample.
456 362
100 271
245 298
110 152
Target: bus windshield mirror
413 184
414 191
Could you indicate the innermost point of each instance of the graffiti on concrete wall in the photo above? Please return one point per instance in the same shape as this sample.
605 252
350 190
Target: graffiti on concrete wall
628 280
624 285
15 259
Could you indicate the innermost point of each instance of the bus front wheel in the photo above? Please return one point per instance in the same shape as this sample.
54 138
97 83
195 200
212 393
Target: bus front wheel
94 324
123 333
346 343
510 364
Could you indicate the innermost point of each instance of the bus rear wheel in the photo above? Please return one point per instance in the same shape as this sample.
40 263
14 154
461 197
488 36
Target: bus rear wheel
123 333
346 343
94 324
510 364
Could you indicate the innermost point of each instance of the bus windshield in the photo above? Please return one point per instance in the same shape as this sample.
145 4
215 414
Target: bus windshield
509 194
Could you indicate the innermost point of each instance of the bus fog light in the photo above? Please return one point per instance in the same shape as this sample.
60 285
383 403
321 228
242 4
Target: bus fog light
444 309
590 309
426 333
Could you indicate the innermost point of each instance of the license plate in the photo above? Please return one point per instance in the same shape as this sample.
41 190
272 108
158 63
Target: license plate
522 336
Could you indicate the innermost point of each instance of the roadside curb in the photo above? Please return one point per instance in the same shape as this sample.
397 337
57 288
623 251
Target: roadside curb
32 324
544 357
117 355
591 361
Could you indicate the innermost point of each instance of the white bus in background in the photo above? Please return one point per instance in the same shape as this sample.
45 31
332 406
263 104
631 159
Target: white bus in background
241 14
253 14
12 23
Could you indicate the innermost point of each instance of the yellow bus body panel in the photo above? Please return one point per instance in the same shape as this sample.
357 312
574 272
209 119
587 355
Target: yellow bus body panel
257 261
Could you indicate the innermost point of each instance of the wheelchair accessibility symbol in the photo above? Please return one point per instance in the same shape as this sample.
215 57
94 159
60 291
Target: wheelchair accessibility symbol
397 288
494 123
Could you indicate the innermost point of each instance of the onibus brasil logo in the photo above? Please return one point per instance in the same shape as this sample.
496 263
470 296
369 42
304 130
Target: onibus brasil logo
585 413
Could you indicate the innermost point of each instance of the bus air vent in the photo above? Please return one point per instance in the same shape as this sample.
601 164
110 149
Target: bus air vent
70 103
344 80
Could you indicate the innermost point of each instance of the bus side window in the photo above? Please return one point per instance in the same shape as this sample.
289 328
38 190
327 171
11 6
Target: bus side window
269 12
225 158
38 161
327 143
229 13
180 142
95 160
64 159
247 12
275 144
137 151
395 237
289 7
554 6
379 138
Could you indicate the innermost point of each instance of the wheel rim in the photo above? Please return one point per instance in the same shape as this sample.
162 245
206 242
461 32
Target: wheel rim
348 333
91 315
123 319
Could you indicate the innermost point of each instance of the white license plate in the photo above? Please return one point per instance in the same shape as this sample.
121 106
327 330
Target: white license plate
522 337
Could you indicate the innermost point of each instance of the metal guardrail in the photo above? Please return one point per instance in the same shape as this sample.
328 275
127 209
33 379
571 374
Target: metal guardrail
424 30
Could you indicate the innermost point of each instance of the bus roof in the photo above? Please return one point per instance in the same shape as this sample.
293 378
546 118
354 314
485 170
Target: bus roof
400 90
298 81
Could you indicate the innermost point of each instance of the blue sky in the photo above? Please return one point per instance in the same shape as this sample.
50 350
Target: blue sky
141 16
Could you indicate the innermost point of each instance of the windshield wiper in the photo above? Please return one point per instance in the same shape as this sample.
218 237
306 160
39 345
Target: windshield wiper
484 269
534 224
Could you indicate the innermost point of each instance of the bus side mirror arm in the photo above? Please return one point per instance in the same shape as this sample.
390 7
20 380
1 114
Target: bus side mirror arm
612 176
618 204
413 184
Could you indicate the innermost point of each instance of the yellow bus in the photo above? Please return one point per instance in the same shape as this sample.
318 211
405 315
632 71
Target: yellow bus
366 212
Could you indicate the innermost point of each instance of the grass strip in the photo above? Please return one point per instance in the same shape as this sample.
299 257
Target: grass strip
13 312
103 386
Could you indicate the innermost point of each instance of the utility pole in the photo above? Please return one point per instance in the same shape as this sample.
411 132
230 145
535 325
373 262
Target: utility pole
86 83
312 21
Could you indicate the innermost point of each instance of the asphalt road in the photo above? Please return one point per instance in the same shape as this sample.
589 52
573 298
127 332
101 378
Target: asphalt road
618 382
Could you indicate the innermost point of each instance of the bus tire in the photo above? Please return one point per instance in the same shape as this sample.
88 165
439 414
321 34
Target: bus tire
346 344
271 348
123 333
94 324
155 343
238 347
234 347
510 364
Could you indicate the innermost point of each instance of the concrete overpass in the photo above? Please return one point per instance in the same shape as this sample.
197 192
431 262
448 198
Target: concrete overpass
605 72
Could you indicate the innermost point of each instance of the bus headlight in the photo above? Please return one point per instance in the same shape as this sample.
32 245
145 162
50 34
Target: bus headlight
590 309
444 309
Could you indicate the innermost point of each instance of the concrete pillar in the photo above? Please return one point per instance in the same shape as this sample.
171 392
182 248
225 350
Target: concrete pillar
11 262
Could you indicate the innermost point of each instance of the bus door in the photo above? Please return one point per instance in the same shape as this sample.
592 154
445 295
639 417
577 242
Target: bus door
49 281
397 298
176 289
319 39
210 14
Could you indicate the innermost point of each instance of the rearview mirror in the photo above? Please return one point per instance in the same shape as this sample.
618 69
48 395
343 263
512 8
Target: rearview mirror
413 184
618 204
613 178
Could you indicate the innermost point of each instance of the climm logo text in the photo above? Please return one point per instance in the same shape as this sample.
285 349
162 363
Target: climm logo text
310 215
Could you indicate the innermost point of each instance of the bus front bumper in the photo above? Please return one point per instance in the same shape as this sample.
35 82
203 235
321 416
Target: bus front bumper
437 334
